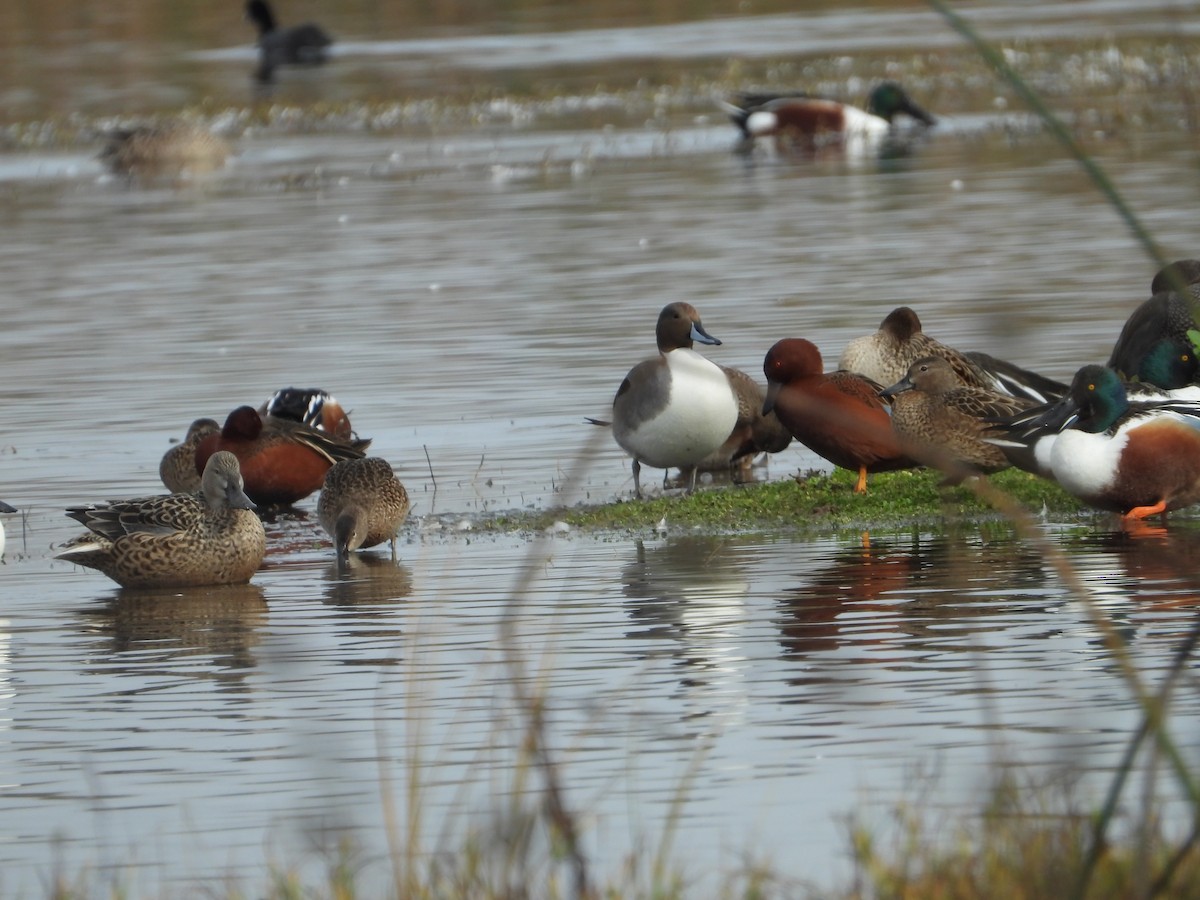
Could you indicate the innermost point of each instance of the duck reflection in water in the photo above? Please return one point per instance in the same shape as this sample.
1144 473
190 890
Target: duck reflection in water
367 579
887 593
692 591
171 628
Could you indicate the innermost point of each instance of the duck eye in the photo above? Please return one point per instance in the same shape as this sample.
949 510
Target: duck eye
1091 387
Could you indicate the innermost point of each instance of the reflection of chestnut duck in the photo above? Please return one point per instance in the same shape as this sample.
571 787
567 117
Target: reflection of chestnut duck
838 416
282 461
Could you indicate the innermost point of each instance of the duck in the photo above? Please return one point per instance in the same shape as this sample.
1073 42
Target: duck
801 123
282 461
1135 453
362 504
4 508
297 45
755 433
178 466
673 410
943 422
887 355
310 406
1161 328
167 149
175 540
839 415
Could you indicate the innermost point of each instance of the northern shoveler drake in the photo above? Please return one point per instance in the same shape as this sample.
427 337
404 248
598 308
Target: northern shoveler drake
282 461
4 508
887 355
1161 329
297 45
839 415
178 467
672 411
165 150
311 406
362 504
942 422
175 540
800 123
1138 457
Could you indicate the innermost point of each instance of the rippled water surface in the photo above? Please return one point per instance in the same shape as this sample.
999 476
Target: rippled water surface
465 231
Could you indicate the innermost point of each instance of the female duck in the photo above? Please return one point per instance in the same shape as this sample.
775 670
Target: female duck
672 411
838 415
175 540
362 505
1138 457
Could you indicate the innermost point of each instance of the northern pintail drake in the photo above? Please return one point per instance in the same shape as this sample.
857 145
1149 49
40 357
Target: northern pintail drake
165 150
943 423
1162 330
311 406
887 355
838 415
804 124
297 45
4 508
1137 454
362 505
282 461
175 540
178 467
672 411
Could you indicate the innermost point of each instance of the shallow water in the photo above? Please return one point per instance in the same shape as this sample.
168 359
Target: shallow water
472 285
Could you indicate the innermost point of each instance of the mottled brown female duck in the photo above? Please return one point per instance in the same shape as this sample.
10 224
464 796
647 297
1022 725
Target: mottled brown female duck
942 422
175 540
178 467
165 150
362 505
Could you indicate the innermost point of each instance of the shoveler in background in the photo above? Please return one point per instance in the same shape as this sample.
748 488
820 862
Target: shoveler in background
311 406
838 416
282 461
887 355
297 45
178 467
362 505
1138 457
1162 329
804 124
165 150
942 422
4 508
672 411
175 540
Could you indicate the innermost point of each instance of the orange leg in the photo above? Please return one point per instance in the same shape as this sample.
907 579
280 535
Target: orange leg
1144 512
861 487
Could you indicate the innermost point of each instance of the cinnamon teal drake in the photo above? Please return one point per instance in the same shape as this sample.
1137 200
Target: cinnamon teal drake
887 355
178 466
1162 330
4 508
1135 453
362 505
175 540
944 423
672 411
297 45
310 406
799 123
165 150
838 415
282 461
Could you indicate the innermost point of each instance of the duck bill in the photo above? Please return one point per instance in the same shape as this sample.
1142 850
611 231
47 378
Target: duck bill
904 384
1059 416
702 336
773 388
236 498
918 113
